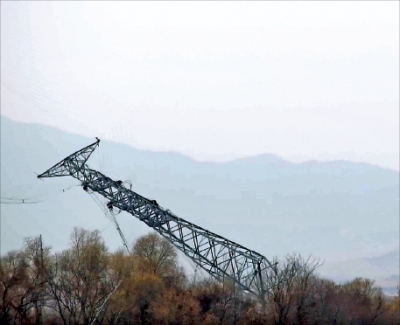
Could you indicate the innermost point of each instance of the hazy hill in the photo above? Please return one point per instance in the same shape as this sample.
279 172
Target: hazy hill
384 269
335 210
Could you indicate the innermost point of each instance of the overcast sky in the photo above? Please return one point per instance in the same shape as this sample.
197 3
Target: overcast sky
212 80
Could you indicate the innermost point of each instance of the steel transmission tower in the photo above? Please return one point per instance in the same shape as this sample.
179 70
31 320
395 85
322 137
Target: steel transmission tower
218 256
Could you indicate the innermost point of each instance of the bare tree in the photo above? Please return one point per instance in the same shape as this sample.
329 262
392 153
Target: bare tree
221 302
22 282
364 301
80 279
13 277
155 255
289 296
326 303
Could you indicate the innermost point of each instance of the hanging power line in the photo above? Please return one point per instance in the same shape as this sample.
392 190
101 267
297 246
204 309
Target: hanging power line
34 199
18 201
111 216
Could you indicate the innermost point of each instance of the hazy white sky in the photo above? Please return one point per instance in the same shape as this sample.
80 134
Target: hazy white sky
213 80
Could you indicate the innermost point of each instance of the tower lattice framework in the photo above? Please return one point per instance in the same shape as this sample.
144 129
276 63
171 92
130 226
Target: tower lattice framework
218 256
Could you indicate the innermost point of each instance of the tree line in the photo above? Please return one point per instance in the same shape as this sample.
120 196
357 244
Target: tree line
87 284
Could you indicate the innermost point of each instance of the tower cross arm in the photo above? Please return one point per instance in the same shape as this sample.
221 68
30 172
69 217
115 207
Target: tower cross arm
74 163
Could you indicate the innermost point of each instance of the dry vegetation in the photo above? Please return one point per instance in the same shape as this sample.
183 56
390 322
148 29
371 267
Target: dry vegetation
86 284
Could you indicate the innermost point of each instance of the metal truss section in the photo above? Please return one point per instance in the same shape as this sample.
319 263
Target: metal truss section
218 256
73 164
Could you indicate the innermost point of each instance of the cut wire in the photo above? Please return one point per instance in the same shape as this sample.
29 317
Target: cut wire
111 216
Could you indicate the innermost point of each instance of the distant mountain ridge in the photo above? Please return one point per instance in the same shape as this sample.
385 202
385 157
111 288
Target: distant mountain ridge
334 210
384 269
